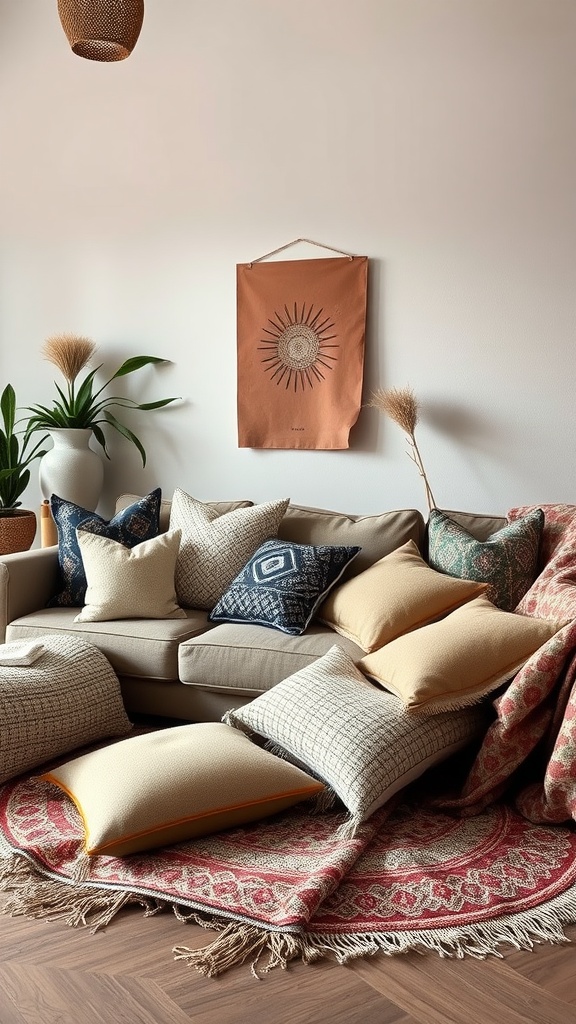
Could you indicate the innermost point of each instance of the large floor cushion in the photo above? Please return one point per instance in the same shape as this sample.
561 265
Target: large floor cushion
247 659
136 647
67 697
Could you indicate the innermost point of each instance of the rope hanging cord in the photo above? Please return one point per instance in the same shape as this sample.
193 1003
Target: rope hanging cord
295 241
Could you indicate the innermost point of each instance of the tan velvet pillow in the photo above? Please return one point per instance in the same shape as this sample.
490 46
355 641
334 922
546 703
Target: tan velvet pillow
457 661
393 596
175 784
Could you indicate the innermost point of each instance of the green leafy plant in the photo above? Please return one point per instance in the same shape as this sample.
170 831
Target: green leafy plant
16 454
83 405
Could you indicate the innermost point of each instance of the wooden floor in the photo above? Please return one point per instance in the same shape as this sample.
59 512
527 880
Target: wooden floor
53 974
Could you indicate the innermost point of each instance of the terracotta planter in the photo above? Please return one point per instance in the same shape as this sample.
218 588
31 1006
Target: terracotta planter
17 530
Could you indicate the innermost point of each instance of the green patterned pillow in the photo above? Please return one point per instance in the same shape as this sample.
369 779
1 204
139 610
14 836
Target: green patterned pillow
507 561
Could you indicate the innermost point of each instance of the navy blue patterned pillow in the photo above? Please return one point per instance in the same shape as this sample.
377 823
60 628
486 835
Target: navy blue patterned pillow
139 521
283 584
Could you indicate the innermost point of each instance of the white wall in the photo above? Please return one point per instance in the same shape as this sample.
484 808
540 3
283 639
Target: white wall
436 137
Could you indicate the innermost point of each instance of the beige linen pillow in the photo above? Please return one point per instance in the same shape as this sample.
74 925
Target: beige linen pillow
129 583
175 784
394 595
214 548
457 661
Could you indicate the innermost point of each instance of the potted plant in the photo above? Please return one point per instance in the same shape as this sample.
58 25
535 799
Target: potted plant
79 412
17 525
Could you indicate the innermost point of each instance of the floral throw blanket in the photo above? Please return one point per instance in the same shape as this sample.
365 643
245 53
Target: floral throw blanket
535 723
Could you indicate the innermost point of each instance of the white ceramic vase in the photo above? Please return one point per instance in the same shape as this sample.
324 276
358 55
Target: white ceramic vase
71 469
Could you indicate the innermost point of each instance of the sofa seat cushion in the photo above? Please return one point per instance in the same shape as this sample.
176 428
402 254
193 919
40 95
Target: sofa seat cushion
249 659
377 535
136 647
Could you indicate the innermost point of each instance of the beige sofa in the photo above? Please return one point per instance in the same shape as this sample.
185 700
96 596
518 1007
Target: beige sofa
191 668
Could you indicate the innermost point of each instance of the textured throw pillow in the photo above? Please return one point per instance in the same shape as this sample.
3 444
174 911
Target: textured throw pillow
175 784
459 660
282 585
67 697
398 593
138 522
507 561
129 583
214 547
334 723
553 593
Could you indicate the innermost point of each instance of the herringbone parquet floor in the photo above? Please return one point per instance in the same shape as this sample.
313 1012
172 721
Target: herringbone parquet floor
53 974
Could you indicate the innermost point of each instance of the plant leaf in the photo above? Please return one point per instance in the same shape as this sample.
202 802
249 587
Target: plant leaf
126 433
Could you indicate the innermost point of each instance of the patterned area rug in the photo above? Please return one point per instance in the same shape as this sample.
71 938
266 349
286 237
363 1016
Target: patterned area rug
285 888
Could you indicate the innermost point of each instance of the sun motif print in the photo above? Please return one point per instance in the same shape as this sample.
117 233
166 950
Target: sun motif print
299 347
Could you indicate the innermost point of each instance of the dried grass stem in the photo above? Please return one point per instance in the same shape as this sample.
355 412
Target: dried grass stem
401 405
69 352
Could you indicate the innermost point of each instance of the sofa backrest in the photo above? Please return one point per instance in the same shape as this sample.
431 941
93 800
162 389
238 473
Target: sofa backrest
377 535
479 526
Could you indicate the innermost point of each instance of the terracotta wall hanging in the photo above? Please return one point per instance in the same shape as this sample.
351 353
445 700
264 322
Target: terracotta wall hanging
301 330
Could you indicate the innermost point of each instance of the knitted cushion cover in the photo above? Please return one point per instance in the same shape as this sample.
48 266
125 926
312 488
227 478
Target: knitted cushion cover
214 548
68 697
350 734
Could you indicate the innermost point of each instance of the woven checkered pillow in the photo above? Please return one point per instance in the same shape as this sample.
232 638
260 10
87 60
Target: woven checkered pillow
328 719
214 548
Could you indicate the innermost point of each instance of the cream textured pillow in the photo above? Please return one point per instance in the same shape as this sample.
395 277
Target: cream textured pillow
458 660
175 784
357 739
67 697
394 595
129 583
214 548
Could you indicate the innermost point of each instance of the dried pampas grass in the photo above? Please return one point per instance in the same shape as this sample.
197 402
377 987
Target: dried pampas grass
69 352
401 405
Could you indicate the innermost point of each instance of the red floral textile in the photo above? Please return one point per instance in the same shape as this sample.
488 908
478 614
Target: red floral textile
537 713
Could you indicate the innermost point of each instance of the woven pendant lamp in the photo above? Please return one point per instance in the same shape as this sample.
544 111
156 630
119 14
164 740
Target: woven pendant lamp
102 29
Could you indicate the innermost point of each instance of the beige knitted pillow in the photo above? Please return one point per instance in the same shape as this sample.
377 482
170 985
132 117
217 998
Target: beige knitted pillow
214 548
67 697
335 724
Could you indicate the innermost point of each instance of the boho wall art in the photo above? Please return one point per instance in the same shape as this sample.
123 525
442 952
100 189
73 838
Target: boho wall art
301 329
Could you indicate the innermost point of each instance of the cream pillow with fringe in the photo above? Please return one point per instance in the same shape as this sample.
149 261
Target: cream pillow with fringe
331 721
459 660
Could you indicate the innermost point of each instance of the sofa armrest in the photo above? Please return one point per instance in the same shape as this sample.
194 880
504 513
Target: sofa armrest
27 580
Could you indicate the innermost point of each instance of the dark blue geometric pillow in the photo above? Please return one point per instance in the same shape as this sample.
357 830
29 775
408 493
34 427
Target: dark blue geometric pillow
283 584
139 521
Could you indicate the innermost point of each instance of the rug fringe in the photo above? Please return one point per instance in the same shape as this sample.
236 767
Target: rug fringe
236 943
35 896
